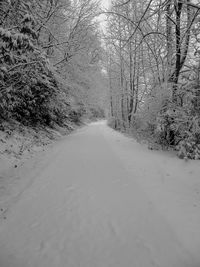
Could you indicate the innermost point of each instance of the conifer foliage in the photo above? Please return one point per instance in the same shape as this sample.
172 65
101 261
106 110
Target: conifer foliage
26 84
34 57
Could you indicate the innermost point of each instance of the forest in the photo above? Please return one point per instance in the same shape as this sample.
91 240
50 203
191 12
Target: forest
153 65
141 70
50 61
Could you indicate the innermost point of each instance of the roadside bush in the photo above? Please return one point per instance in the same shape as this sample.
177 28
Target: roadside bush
189 148
76 113
179 127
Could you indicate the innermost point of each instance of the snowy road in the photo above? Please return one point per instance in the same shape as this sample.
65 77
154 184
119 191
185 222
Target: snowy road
106 201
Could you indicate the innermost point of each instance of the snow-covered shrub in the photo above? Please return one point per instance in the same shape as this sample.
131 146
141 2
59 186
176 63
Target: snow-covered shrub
169 124
27 83
76 112
189 148
179 126
153 103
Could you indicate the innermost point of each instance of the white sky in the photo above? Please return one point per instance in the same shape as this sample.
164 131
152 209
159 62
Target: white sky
105 3
102 18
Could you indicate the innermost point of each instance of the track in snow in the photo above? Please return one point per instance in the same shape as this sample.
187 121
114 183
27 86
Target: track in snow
85 209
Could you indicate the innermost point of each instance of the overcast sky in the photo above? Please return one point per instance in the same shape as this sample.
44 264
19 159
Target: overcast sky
102 18
105 3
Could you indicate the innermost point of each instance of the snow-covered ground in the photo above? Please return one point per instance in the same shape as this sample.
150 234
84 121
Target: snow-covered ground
100 199
19 144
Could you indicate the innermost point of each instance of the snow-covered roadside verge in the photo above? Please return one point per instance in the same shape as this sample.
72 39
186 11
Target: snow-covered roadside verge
24 151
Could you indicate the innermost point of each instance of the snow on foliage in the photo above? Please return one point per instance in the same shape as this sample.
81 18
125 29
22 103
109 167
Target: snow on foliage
36 50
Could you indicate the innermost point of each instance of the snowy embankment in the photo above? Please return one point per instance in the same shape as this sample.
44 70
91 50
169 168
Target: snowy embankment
100 199
21 150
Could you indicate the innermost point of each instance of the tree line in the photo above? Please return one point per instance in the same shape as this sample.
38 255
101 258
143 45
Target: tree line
153 65
50 53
